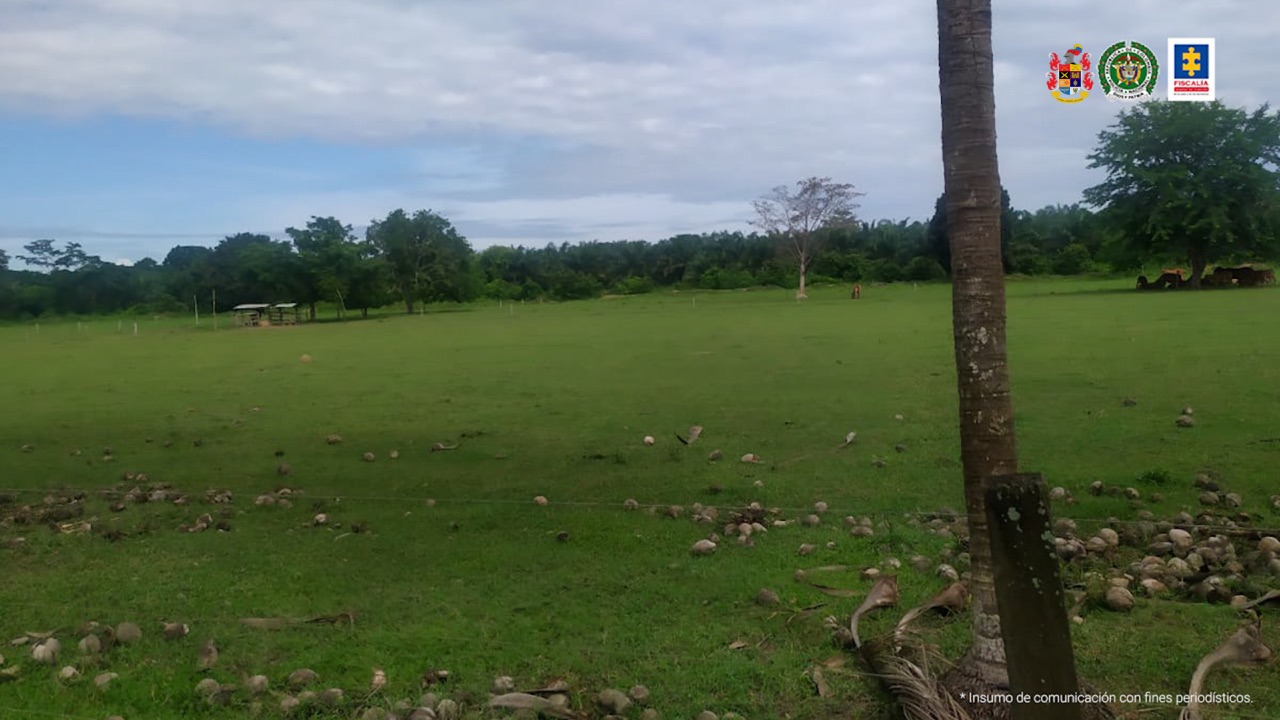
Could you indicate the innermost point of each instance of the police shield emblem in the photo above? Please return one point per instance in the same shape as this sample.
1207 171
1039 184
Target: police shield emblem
1128 71
1070 78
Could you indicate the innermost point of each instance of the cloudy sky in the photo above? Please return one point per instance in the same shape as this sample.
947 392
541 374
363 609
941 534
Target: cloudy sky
134 125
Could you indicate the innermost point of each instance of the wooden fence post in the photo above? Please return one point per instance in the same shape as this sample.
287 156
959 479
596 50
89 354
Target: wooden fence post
1033 615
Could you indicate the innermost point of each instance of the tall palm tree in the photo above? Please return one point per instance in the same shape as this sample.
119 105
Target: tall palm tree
987 445
972 187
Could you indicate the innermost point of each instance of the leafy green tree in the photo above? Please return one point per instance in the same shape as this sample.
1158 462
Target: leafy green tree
8 291
427 258
1027 259
329 255
1071 260
43 255
369 283
923 269
189 273
1196 181
250 267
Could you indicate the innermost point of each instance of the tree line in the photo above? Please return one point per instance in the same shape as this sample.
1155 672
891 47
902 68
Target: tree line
1191 183
407 259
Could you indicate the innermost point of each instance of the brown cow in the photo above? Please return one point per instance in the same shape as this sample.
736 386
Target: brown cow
1247 276
1168 280
1222 277
857 292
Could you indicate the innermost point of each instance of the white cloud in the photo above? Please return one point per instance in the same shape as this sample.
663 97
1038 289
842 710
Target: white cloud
661 113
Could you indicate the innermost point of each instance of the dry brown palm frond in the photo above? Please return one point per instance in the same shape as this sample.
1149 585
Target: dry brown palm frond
953 598
525 701
1244 647
883 594
919 693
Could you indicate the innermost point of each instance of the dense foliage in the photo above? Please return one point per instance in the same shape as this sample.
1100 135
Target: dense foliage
414 258
420 257
1193 183
1196 179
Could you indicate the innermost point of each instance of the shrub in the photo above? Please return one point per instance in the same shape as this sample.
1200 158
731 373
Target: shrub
924 269
1158 476
634 285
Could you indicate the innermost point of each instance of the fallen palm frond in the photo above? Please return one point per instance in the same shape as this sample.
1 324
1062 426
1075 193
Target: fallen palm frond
883 594
952 599
919 693
1244 647
525 701
805 612
279 623
903 665
834 591
1272 597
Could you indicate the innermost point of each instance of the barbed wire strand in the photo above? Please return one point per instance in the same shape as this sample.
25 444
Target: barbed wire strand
303 496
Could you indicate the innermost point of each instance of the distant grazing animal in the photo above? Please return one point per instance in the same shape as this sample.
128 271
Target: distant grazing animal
857 292
1242 275
1245 275
1222 277
1181 273
1166 280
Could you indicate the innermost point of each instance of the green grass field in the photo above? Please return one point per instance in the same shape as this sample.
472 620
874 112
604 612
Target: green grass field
554 400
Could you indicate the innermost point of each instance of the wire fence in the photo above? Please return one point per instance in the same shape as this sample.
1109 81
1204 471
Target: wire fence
685 507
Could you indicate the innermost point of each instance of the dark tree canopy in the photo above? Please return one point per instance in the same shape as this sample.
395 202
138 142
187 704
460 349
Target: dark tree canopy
322 261
940 243
1195 182
426 258
43 254
328 256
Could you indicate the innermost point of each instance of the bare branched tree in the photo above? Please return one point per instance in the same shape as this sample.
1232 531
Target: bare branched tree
799 220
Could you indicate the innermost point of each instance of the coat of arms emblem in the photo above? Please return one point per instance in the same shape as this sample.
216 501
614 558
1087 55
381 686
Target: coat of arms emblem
1069 78
1128 71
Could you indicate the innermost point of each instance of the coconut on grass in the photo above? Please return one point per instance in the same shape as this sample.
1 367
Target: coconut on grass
301 678
46 651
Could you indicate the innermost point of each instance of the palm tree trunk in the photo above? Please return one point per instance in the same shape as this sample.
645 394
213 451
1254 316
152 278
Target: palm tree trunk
987 447
972 188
